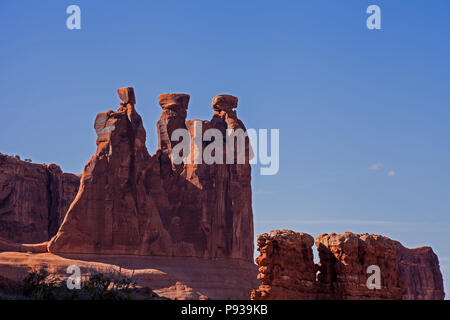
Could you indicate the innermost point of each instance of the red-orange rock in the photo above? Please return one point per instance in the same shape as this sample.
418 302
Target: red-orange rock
344 261
6 245
287 269
34 199
224 102
126 94
420 273
286 266
178 278
174 106
408 274
132 203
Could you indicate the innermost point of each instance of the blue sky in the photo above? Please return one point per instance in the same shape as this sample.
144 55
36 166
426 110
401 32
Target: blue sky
344 98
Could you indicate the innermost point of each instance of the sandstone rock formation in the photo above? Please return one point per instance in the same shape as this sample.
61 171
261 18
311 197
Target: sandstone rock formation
420 273
344 259
34 199
185 228
130 202
286 265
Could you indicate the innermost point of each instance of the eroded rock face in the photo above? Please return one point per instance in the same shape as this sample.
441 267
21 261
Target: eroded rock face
286 265
344 260
6 245
420 273
132 203
34 199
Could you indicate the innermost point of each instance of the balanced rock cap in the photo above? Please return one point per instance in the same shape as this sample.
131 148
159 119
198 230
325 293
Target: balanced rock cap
126 94
174 100
224 102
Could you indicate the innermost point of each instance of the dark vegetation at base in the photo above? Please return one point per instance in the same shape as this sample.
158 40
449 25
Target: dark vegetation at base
40 285
17 157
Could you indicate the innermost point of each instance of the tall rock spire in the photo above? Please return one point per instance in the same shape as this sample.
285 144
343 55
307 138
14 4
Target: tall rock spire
132 203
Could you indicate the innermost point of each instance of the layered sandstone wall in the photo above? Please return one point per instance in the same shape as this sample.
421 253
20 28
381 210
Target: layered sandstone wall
34 199
280 277
286 261
345 259
420 273
131 202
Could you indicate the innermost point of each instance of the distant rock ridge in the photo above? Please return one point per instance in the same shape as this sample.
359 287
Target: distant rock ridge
34 199
287 269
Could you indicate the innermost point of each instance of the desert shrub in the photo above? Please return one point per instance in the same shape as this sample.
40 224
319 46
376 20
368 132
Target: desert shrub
101 287
37 285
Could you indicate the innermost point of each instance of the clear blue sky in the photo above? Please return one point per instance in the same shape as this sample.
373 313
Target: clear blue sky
344 98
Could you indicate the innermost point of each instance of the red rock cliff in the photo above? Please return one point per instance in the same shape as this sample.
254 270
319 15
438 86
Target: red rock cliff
420 273
130 202
344 259
286 265
34 199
